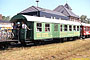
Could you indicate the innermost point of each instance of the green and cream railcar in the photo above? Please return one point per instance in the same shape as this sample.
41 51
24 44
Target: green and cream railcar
42 28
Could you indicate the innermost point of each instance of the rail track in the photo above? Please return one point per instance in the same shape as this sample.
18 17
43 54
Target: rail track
53 51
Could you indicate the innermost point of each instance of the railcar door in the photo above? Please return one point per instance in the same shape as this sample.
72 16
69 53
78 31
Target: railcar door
55 31
31 31
23 33
27 34
16 30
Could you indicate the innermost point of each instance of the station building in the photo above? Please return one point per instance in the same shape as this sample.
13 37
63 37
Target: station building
62 12
67 11
41 12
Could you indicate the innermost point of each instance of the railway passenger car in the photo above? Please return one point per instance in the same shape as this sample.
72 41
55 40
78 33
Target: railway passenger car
42 28
85 30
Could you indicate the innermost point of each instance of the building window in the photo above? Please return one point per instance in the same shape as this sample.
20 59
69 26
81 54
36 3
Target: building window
77 28
60 27
54 17
74 28
70 27
59 18
55 27
51 17
44 16
65 27
47 27
39 27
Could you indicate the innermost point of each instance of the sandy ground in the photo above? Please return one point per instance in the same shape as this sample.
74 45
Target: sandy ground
72 50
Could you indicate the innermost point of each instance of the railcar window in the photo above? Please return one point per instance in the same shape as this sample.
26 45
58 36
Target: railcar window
85 28
77 28
65 27
47 27
60 27
70 27
74 28
89 29
39 27
55 27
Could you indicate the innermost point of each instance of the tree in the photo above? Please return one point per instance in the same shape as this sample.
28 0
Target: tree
88 20
3 18
6 18
83 18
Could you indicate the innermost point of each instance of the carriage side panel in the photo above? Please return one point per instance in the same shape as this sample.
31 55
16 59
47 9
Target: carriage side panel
40 31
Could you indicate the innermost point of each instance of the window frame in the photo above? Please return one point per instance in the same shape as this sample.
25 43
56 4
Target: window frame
38 27
47 28
89 29
74 28
78 28
61 27
85 28
66 28
70 28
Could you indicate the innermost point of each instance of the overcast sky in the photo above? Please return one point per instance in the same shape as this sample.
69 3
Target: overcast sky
12 7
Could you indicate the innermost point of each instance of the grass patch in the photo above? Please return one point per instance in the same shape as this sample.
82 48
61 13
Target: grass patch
56 51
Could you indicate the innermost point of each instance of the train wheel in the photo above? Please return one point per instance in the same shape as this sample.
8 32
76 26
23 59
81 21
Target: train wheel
37 43
64 39
4 46
23 43
83 37
61 40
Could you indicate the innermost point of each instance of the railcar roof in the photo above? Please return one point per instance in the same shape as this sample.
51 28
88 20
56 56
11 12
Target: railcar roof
85 24
48 20
42 19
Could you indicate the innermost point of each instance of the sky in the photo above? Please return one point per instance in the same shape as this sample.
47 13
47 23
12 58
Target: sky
12 7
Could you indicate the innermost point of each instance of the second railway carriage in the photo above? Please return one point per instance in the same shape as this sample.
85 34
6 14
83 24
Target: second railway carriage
42 28
85 30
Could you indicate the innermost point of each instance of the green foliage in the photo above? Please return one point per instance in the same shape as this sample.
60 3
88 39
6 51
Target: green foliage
83 18
6 18
88 20
3 17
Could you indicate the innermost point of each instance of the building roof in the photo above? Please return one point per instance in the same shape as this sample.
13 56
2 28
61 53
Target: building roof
33 9
3 21
67 8
71 13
